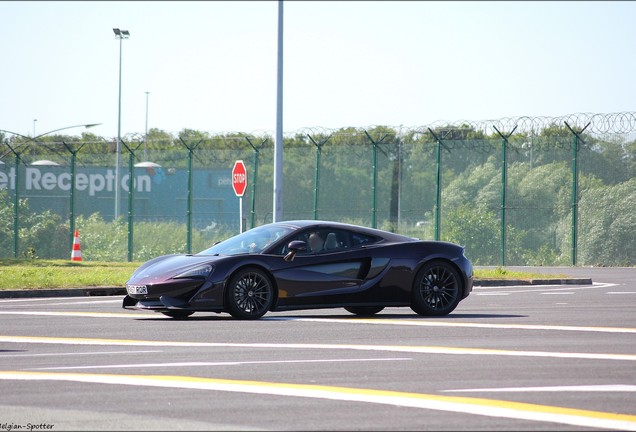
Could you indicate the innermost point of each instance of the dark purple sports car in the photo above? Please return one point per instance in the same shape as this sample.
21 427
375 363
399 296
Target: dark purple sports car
305 265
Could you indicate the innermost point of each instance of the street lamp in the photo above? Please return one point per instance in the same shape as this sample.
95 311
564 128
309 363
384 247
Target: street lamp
121 35
34 120
34 138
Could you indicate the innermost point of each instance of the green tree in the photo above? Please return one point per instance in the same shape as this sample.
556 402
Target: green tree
477 230
608 225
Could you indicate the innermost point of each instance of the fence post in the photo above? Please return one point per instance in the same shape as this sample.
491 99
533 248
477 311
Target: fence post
504 173
16 199
317 171
375 177
256 158
131 173
575 188
438 180
189 195
396 188
71 215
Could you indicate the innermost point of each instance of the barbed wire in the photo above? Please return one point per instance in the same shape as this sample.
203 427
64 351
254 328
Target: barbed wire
622 122
608 123
594 123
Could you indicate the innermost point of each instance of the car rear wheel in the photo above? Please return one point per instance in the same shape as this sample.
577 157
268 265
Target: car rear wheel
437 289
178 314
249 294
364 310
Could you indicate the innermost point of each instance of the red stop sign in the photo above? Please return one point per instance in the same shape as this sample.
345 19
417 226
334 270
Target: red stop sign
239 178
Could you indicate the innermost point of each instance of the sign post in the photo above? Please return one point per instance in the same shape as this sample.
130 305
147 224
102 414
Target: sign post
239 184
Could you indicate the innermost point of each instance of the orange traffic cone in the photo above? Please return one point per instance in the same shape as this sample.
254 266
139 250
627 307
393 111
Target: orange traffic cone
76 254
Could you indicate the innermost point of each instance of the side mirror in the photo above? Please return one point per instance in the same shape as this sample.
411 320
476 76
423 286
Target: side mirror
294 247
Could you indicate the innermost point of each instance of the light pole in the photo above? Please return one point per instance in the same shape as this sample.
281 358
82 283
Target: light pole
278 144
34 120
146 135
121 35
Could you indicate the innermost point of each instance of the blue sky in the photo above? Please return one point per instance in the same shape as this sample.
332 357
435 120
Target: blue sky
211 65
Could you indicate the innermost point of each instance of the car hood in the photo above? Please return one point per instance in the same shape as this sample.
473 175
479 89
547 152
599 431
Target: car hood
169 266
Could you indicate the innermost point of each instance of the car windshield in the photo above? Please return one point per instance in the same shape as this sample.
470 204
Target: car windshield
251 241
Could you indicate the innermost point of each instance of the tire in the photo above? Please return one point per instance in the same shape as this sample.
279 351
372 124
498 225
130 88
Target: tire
249 294
437 289
364 310
177 314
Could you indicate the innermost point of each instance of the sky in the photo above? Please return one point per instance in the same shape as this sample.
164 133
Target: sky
212 65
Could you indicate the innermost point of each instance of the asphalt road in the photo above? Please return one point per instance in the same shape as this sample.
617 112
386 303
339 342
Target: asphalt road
509 358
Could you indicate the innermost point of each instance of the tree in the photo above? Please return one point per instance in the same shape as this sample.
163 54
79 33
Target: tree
477 230
608 225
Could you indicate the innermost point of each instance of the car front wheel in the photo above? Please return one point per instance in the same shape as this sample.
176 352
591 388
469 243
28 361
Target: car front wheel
437 289
249 294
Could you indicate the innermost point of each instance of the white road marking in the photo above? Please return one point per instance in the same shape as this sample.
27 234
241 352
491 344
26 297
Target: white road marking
468 405
428 323
231 363
420 322
37 299
557 293
577 388
81 302
78 353
492 294
291 346
82 314
621 292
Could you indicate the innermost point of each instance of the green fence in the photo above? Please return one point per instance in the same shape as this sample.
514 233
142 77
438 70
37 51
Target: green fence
515 191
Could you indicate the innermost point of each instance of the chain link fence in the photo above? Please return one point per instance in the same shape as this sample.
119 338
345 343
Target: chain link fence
514 191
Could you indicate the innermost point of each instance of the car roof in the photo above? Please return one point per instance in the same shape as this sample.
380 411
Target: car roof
318 224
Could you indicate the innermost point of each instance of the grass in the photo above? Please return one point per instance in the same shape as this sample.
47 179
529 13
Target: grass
503 274
49 274
16 274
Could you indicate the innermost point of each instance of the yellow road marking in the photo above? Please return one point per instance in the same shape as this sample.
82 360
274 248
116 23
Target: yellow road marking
477 406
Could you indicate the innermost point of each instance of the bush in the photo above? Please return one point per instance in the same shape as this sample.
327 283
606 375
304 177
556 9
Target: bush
40 235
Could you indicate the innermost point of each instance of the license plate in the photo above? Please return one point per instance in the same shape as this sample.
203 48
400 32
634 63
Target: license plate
137 289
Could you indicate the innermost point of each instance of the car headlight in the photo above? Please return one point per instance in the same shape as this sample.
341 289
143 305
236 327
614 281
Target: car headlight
202 271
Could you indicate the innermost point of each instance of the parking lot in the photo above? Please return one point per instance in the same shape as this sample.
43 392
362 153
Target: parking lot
509 358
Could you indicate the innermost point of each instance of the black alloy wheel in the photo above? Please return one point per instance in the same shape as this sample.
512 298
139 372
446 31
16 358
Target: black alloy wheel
249 294
437 289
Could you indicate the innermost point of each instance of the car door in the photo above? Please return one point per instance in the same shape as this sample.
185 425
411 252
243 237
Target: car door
334 273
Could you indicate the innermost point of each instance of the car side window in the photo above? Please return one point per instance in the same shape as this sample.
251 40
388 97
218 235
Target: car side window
319 241
330 240
314 239
359 240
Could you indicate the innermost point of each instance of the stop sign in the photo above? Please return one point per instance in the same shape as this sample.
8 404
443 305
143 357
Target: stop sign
239 178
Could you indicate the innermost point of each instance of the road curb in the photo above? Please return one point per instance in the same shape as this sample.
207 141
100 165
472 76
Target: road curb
69 292
514 282
111 291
